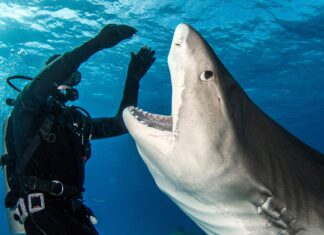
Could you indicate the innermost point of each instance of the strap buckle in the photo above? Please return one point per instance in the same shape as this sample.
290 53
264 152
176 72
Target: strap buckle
36 202
21 211
50 138
57 188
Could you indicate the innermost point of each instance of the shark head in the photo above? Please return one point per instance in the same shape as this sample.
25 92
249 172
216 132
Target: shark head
189 152
178 147
222 160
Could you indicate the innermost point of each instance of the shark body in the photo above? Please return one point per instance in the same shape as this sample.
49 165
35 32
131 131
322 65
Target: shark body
221 159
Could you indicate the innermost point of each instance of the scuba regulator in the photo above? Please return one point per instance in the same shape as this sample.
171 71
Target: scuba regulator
66 92
11 101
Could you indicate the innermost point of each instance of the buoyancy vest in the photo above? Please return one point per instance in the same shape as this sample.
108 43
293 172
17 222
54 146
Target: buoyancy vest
61 155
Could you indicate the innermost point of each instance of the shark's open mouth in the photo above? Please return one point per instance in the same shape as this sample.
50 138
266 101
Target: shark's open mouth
160 122
139 121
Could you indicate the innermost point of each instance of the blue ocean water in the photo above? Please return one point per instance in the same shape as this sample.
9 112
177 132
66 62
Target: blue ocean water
275 49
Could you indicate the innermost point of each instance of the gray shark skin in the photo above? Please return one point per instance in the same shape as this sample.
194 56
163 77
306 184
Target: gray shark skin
223 161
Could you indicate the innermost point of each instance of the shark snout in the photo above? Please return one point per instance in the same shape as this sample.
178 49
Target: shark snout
181 34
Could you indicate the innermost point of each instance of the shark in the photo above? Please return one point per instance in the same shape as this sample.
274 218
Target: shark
224 162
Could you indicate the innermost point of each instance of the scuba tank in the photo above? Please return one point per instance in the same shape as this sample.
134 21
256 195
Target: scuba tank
14 226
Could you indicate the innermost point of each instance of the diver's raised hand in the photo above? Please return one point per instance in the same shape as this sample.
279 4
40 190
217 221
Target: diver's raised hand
112 34
138 66
140 63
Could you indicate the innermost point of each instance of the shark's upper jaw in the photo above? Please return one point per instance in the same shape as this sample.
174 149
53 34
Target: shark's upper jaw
177 71
156 122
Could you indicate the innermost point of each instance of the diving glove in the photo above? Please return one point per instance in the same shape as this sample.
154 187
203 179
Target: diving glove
112 34
140 63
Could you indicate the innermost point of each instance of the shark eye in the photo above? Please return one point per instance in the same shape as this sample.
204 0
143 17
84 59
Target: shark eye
206 75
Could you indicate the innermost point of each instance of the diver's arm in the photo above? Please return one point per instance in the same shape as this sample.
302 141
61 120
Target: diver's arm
138 66
113 126
35 94
55 73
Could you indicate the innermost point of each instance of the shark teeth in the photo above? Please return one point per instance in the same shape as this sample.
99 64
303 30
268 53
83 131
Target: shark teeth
157 121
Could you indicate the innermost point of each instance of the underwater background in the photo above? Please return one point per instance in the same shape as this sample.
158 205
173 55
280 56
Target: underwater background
275 49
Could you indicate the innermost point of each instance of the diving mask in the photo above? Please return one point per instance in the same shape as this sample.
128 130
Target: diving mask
65 93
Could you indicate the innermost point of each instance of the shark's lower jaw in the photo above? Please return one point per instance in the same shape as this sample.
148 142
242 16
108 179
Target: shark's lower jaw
156 121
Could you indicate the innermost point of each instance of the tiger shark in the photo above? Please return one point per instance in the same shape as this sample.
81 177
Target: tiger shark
220 158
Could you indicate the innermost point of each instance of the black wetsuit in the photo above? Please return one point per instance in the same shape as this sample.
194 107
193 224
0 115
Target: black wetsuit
62 159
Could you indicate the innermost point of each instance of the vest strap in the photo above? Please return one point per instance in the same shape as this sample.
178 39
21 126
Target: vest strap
44 133
54 187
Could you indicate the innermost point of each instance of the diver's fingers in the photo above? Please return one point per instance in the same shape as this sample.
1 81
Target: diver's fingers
149 57
151 53
143 51
148 52
153 59
133 55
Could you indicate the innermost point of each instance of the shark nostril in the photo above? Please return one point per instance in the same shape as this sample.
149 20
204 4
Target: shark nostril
179 41
206 75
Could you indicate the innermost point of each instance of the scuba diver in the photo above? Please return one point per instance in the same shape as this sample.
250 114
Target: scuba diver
48 142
